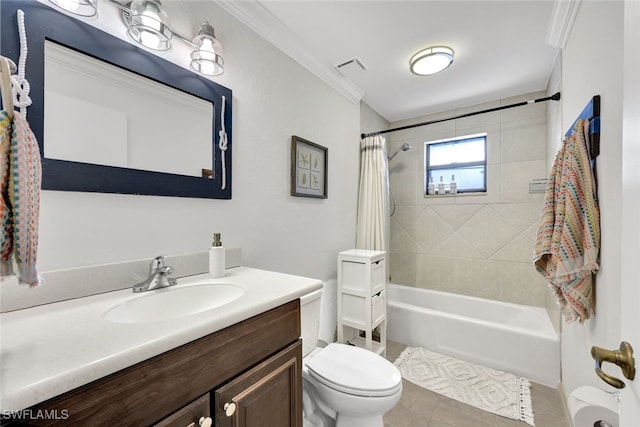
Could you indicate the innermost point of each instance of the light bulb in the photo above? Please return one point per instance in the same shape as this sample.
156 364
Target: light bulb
149 39
207 45
208 68
150 19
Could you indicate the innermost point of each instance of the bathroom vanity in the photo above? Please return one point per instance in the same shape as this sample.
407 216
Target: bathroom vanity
245 373
179 387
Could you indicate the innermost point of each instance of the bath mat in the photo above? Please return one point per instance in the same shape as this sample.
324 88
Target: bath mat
493 391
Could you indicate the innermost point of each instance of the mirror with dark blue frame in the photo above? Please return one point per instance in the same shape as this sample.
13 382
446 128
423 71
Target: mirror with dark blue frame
44 25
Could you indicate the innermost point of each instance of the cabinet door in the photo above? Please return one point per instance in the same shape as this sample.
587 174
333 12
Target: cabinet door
268 395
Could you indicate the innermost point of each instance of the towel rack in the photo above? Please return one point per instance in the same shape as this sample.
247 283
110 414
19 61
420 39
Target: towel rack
592 113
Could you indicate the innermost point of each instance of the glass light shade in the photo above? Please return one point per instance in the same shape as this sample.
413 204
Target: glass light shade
148 24
431 60
206 58
86 8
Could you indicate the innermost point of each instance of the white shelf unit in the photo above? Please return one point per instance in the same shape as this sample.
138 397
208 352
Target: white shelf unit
362 302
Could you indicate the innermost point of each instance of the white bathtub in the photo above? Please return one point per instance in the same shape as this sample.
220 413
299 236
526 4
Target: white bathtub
510 337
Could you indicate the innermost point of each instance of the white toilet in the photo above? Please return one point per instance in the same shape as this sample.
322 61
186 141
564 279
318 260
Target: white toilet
343 385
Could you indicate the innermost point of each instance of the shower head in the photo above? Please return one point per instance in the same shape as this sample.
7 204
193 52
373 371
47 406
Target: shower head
405 147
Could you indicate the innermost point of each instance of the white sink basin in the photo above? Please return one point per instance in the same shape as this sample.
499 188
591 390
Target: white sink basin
171 303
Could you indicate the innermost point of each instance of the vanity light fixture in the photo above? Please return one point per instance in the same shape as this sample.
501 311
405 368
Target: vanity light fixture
148 25
431 60
85 8
206 56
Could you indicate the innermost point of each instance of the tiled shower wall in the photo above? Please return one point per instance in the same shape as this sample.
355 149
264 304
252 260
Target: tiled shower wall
480 244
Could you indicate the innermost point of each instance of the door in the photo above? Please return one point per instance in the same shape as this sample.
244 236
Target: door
268 395
630 304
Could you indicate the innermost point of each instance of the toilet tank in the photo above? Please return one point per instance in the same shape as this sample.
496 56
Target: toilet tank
310 320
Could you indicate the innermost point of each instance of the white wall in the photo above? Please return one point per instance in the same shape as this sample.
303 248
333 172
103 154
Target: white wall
370 120
554 137
598 28
273 98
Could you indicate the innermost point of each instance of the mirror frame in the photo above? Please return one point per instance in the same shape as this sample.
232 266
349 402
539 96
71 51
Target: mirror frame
45 23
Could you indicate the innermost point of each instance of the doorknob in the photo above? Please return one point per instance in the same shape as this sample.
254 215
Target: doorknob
622 357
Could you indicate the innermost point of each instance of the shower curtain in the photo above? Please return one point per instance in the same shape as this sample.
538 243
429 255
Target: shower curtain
372 230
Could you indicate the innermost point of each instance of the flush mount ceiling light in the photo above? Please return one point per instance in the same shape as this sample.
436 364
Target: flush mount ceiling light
431 60
206 56
86 8
148 24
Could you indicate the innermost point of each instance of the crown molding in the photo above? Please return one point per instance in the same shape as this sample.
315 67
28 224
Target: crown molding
562 18
258 18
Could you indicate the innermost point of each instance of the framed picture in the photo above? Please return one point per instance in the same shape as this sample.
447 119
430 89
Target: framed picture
308 168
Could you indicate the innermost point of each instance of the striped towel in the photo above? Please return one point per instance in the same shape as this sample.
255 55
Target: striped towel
6 223
20 206
568 240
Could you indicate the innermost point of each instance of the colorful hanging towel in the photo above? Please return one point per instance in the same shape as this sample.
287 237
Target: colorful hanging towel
6 223
568 240
20 200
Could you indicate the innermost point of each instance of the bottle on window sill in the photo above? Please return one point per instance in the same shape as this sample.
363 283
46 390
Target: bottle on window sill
453 186
441 189
431 187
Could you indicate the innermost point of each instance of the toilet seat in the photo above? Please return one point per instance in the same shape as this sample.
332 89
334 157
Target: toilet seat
355 371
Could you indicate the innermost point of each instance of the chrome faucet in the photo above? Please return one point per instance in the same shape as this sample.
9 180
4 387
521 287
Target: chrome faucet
158 276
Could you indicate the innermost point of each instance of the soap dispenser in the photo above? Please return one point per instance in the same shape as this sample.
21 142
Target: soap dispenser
216 258
453 185
441 189
431 187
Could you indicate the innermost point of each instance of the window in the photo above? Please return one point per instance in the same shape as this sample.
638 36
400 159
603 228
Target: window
463 157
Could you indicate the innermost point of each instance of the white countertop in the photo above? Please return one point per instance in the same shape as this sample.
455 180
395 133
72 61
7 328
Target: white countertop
50 349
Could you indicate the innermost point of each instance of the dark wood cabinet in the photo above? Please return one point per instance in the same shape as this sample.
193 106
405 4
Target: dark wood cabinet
268 395
255 364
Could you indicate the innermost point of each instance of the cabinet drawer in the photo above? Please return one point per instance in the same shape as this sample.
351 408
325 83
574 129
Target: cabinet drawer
190 415
354 276
363 277
354 308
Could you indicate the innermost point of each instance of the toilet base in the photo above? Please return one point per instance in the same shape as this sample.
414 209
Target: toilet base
347 421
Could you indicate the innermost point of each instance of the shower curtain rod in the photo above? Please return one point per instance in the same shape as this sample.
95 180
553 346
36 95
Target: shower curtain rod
554 97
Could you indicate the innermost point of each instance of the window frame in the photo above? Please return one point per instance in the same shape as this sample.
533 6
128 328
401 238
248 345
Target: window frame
427 168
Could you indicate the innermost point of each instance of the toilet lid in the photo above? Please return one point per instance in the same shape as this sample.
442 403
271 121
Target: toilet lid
355 371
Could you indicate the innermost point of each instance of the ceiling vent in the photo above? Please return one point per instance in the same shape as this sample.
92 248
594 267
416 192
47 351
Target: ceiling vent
351 68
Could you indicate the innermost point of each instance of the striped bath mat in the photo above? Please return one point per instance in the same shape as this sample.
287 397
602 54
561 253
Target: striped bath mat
493 391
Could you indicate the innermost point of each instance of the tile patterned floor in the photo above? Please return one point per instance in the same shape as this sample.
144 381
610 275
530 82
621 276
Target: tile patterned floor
420 407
